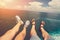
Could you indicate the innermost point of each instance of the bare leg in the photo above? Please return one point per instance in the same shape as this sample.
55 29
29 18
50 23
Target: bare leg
33 31
44 33
22 34
11 33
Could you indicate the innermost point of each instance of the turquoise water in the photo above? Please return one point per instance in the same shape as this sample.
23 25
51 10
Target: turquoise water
52 25
53 28
52 21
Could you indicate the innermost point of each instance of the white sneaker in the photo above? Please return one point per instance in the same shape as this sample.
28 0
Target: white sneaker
27 23
18 19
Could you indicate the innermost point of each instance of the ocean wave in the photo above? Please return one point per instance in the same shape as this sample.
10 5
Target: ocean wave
56 36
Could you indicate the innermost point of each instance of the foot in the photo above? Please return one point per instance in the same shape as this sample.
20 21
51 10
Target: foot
33 21
22 34
42 24
25 28
19 19
27 23
44 32
33 31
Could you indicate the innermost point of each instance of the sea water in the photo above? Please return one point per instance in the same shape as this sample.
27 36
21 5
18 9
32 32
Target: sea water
52 23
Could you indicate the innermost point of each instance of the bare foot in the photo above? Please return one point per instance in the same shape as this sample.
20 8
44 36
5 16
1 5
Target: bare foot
33 31
44 32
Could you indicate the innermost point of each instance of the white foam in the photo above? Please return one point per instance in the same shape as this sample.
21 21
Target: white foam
56 36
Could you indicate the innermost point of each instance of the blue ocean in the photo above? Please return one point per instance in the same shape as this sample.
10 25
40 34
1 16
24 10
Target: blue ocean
52 23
